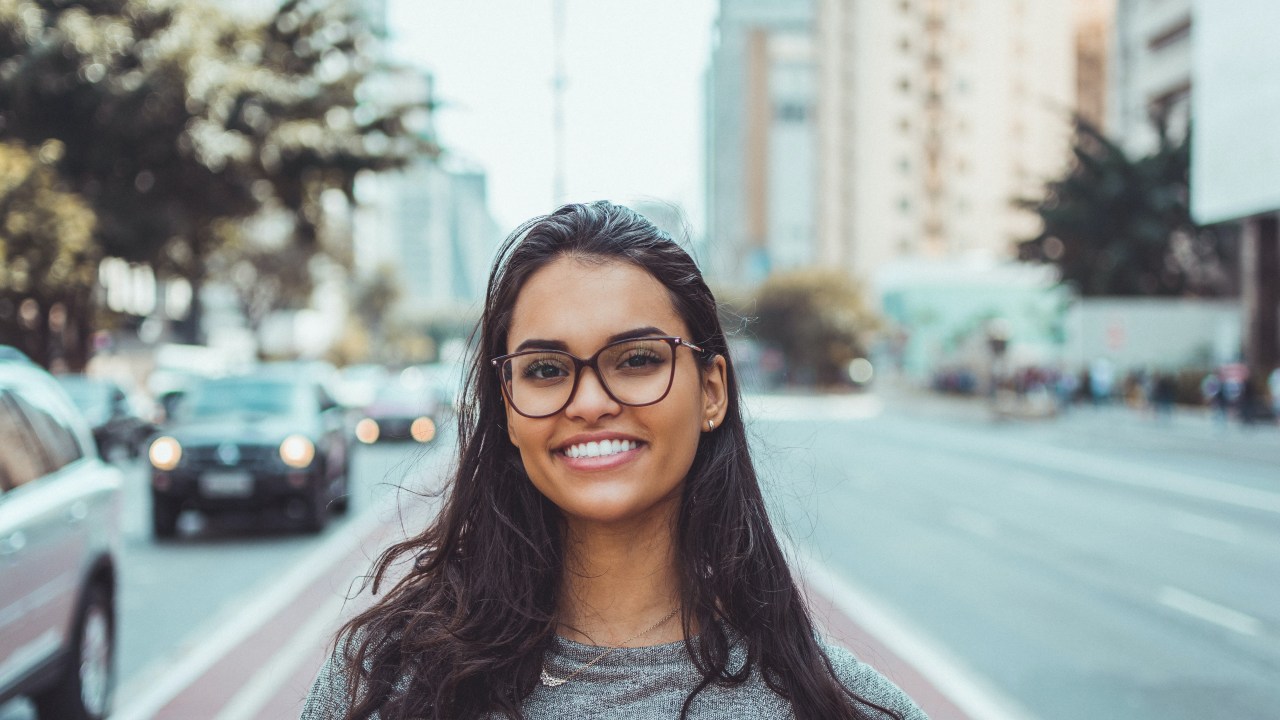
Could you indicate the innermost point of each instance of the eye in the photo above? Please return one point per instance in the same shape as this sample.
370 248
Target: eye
543 369
640 359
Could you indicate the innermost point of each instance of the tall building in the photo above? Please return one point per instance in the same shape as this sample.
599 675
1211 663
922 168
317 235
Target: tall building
934 116
761 140
1151 72
1094 23
430 222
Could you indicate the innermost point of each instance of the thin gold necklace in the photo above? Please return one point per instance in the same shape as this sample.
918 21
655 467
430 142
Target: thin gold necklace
552 681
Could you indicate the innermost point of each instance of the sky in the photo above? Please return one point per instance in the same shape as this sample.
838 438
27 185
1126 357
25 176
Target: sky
633 100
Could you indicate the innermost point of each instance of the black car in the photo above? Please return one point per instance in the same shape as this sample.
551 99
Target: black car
59 551
400 411
115 423
262 441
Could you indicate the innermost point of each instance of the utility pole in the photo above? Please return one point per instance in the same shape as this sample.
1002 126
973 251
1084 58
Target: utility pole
557 90
1260 270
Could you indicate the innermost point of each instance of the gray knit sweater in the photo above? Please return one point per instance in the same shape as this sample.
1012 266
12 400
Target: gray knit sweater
646 683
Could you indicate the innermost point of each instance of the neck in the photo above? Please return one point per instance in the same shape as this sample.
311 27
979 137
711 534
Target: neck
619 581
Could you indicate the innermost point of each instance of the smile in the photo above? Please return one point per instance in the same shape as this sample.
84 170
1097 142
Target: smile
603 448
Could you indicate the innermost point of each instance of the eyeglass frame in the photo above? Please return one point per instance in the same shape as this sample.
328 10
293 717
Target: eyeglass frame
674 341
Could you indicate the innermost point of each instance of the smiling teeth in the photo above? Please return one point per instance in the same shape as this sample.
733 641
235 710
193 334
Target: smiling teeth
600 449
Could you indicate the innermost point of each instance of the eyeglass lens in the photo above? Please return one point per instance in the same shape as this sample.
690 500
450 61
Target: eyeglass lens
635 372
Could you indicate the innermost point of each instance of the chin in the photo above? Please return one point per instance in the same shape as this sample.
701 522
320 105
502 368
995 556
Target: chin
614 510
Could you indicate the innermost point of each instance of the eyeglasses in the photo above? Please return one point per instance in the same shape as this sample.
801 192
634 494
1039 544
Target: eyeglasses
638 372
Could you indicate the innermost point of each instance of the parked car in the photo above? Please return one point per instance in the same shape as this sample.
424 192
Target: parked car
404 409
268 440
116 422
59 545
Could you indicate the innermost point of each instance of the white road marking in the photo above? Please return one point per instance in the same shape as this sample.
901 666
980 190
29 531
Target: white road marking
970 692
147 693
267 680
972 522
1221 530
1209 611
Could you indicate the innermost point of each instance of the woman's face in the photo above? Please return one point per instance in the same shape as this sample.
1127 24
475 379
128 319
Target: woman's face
579 306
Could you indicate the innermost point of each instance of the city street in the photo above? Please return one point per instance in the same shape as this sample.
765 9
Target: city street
1099 565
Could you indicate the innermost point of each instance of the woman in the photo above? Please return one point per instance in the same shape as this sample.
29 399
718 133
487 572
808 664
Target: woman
603 549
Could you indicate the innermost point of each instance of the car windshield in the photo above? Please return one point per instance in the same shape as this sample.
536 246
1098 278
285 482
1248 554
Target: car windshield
398 393
243 396
90 396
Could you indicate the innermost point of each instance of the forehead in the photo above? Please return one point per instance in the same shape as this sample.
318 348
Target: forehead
583 303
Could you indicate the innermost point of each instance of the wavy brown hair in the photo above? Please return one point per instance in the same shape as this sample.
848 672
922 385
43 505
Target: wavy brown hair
463 633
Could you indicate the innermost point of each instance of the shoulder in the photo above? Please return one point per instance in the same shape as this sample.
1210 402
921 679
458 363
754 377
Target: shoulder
867 683
330 696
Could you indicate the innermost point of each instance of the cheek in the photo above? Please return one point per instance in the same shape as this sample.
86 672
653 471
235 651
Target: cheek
513 421
684 433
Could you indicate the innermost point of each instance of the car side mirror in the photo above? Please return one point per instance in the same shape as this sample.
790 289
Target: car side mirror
169 403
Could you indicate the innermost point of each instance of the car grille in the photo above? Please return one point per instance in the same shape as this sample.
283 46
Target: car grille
208 455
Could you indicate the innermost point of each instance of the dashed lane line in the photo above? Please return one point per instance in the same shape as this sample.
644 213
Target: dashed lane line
1209 611
1201 526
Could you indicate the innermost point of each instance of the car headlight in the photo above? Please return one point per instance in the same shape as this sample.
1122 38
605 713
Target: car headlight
297 451
367 431
165 452
423 429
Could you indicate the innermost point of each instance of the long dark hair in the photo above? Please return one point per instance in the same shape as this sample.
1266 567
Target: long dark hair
463 632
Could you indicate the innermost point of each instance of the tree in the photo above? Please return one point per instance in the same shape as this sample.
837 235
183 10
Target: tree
1119 226
817 319
178 117
47 259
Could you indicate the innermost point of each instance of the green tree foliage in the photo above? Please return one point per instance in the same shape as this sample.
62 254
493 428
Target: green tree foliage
177 117
47 257
817 319
1120 226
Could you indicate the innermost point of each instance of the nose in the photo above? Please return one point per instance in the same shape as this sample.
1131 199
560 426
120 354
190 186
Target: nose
590 402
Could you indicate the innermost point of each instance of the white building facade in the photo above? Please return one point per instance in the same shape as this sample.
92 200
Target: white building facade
1150 74
934 116
761 140
430 222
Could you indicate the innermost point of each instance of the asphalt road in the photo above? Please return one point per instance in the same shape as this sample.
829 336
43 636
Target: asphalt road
1103 565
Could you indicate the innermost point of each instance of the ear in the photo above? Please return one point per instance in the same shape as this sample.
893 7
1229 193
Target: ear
715 391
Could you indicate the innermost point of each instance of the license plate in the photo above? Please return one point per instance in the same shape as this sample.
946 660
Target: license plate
226 484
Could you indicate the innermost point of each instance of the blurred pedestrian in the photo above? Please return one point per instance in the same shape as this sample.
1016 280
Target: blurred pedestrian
1249 403
1273 389
1164 392
1065 389
603 530
1101 381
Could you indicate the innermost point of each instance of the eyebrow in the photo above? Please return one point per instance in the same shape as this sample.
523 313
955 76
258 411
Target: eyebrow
538 344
